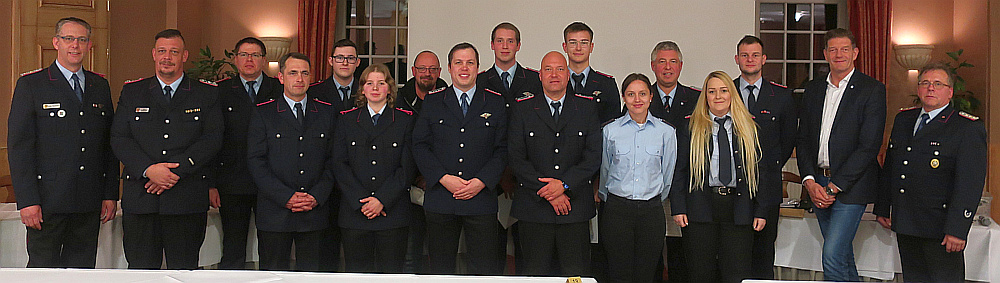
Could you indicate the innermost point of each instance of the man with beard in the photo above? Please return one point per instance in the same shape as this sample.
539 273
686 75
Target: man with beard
426 77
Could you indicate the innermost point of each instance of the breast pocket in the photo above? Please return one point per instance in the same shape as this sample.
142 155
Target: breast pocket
654 154
621 163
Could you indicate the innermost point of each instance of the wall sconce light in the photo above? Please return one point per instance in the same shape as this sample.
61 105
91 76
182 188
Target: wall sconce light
276 47
913 56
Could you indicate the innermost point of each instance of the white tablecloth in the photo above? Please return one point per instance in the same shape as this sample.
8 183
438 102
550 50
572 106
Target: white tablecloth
799 246
110 253
213 276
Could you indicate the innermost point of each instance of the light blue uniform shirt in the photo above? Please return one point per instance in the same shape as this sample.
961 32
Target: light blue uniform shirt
585 73
637 162
664 95
932 114
69 76
173 86
256 86
291 104
510 71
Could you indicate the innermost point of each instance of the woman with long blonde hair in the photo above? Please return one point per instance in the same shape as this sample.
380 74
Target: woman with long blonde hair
714 195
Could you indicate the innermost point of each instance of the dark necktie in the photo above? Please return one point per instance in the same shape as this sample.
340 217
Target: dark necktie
923 121
465 103
298 113
503 77
725 160
251 91
345 93
751 99
166 93
375 118
666 103
77 88
555 114
578 80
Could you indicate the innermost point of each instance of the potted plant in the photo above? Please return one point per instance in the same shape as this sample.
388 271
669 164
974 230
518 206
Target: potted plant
211 69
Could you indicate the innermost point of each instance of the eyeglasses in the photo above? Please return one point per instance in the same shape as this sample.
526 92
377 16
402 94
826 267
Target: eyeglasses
574 43
936 84
427 69
244 55
341 58
70 39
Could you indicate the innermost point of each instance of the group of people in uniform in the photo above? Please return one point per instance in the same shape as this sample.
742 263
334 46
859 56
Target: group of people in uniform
333 165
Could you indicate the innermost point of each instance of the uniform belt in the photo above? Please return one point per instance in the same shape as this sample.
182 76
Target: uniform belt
723 191
826 172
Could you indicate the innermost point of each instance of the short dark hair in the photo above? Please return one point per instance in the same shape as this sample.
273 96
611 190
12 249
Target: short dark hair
292 55
838 33
938 66
343 43
251 40
80 21
506 25
749 39
575 27
632 78
168 33
460 46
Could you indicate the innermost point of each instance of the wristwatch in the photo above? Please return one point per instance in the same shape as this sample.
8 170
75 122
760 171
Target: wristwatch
829 191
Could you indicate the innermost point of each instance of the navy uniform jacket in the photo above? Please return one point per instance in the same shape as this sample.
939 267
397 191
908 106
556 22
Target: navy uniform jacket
697 204
473 146
374 161
407 96
326 90
604 90
933 181
777 120
524 80
231 175
568 150
285 157
148 130
60 155
682 105
855 139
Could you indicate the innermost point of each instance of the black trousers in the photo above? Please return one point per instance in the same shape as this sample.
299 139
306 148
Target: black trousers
275 249
718 251
415 257
370 251
235 212
149 238
568 243
66 240
481 242
925 260
632 234
762 262
329 247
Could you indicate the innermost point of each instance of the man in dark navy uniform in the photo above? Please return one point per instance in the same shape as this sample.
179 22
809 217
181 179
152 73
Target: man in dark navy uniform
64 175
774 110
289 147
460 148
935 169
508 77
234 192
426 78
555 150
675 101
578 43
168 130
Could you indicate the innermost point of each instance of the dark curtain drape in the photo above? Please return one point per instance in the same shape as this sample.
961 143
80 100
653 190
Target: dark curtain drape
870 21
317 23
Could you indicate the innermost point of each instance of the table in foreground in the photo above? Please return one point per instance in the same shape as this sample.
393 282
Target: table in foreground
186 276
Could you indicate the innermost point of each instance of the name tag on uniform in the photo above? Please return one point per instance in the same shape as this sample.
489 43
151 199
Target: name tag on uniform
51 105
192 110
98 105
141 110
934 143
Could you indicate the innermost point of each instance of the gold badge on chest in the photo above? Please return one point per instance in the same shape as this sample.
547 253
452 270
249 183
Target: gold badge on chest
935 163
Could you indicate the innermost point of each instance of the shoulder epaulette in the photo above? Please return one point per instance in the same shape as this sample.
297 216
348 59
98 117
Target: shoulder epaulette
265 102
608 122
316 83
695 89
527 95
483 71
493 92
687 117
967 115
603 74
440 89
96 73
321 102
665 122
584 96
135 80
208 82
908 108
529 69
408 112
32 72
222 80
777 84
348 110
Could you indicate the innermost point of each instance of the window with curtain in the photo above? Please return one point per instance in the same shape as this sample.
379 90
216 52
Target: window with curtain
379 29
792 32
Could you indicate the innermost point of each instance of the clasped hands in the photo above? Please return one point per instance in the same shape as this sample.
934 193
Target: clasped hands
301 201
161 178
818 194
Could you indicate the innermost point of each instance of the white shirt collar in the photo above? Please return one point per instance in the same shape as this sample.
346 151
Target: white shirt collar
372 112
458 93
291 103
933 113
512 69
843 82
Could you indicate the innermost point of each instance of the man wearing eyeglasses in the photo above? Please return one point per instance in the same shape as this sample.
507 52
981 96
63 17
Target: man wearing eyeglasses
935 168
578 44
507 76
341 87
63 172
234 192
426 77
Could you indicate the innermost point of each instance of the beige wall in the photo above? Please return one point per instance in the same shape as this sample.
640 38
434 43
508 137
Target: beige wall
994 93
6 80
132 31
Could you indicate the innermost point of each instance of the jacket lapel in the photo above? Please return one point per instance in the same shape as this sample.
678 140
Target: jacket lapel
476 106
156 93
543 111
286 113
935 123
59 81
566 113
451 102
846 101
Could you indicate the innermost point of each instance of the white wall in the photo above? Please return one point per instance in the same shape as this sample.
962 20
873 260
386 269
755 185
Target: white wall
624 31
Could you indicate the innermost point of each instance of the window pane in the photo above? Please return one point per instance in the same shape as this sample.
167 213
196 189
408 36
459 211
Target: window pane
818 47
826 17
820 70
360 37
357 12
799 17
798 46
772 71
797 75
774 45
384 42
402 70
402 13
772 16
383 12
